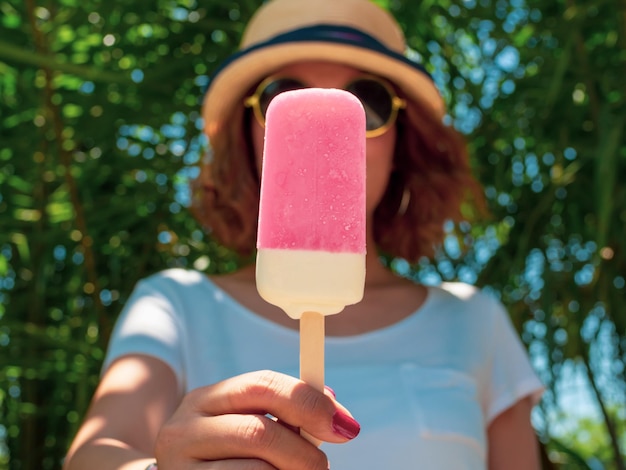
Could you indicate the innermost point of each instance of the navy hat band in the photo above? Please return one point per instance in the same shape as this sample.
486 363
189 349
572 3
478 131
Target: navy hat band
326 33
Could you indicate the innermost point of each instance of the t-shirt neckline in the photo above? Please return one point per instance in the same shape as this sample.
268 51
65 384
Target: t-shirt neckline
432 292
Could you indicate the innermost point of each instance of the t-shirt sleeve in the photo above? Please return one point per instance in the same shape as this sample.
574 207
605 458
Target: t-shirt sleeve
512 375
149 325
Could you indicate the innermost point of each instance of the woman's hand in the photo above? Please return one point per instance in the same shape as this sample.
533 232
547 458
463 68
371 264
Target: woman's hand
226 424
138 408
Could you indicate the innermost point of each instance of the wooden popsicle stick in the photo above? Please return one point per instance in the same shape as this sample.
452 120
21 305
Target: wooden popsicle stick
312 356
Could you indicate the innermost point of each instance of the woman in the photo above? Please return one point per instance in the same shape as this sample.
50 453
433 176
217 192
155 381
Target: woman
436 377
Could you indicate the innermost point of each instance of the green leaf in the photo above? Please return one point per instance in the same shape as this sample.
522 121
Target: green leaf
60 211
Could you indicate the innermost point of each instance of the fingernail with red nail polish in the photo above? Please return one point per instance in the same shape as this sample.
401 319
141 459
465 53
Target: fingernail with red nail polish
345 426
331 391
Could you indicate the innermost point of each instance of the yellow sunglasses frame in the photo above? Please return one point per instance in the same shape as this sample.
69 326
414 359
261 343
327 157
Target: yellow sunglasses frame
254 101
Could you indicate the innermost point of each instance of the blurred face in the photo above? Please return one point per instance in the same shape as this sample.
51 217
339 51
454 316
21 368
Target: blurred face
379 150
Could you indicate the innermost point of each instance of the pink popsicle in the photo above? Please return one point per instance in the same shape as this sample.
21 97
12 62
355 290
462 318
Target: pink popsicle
311 234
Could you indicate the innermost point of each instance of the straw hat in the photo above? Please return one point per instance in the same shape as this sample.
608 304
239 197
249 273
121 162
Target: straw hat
357 33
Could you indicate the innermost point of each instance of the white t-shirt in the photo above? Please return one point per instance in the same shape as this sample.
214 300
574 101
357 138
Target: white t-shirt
424 389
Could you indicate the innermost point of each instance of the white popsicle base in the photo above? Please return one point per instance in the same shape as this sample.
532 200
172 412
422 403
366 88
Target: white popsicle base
301 281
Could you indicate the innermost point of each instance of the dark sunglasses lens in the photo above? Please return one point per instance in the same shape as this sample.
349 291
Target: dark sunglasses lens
375 99
274 88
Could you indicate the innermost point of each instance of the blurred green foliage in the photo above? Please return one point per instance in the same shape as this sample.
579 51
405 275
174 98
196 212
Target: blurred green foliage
99 135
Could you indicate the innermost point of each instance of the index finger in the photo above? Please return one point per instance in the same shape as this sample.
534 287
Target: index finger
285 397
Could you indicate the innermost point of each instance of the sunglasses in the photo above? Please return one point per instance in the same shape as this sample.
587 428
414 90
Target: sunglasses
380 101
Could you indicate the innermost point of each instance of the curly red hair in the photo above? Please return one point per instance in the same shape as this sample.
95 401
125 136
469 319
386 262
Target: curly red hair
434 177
